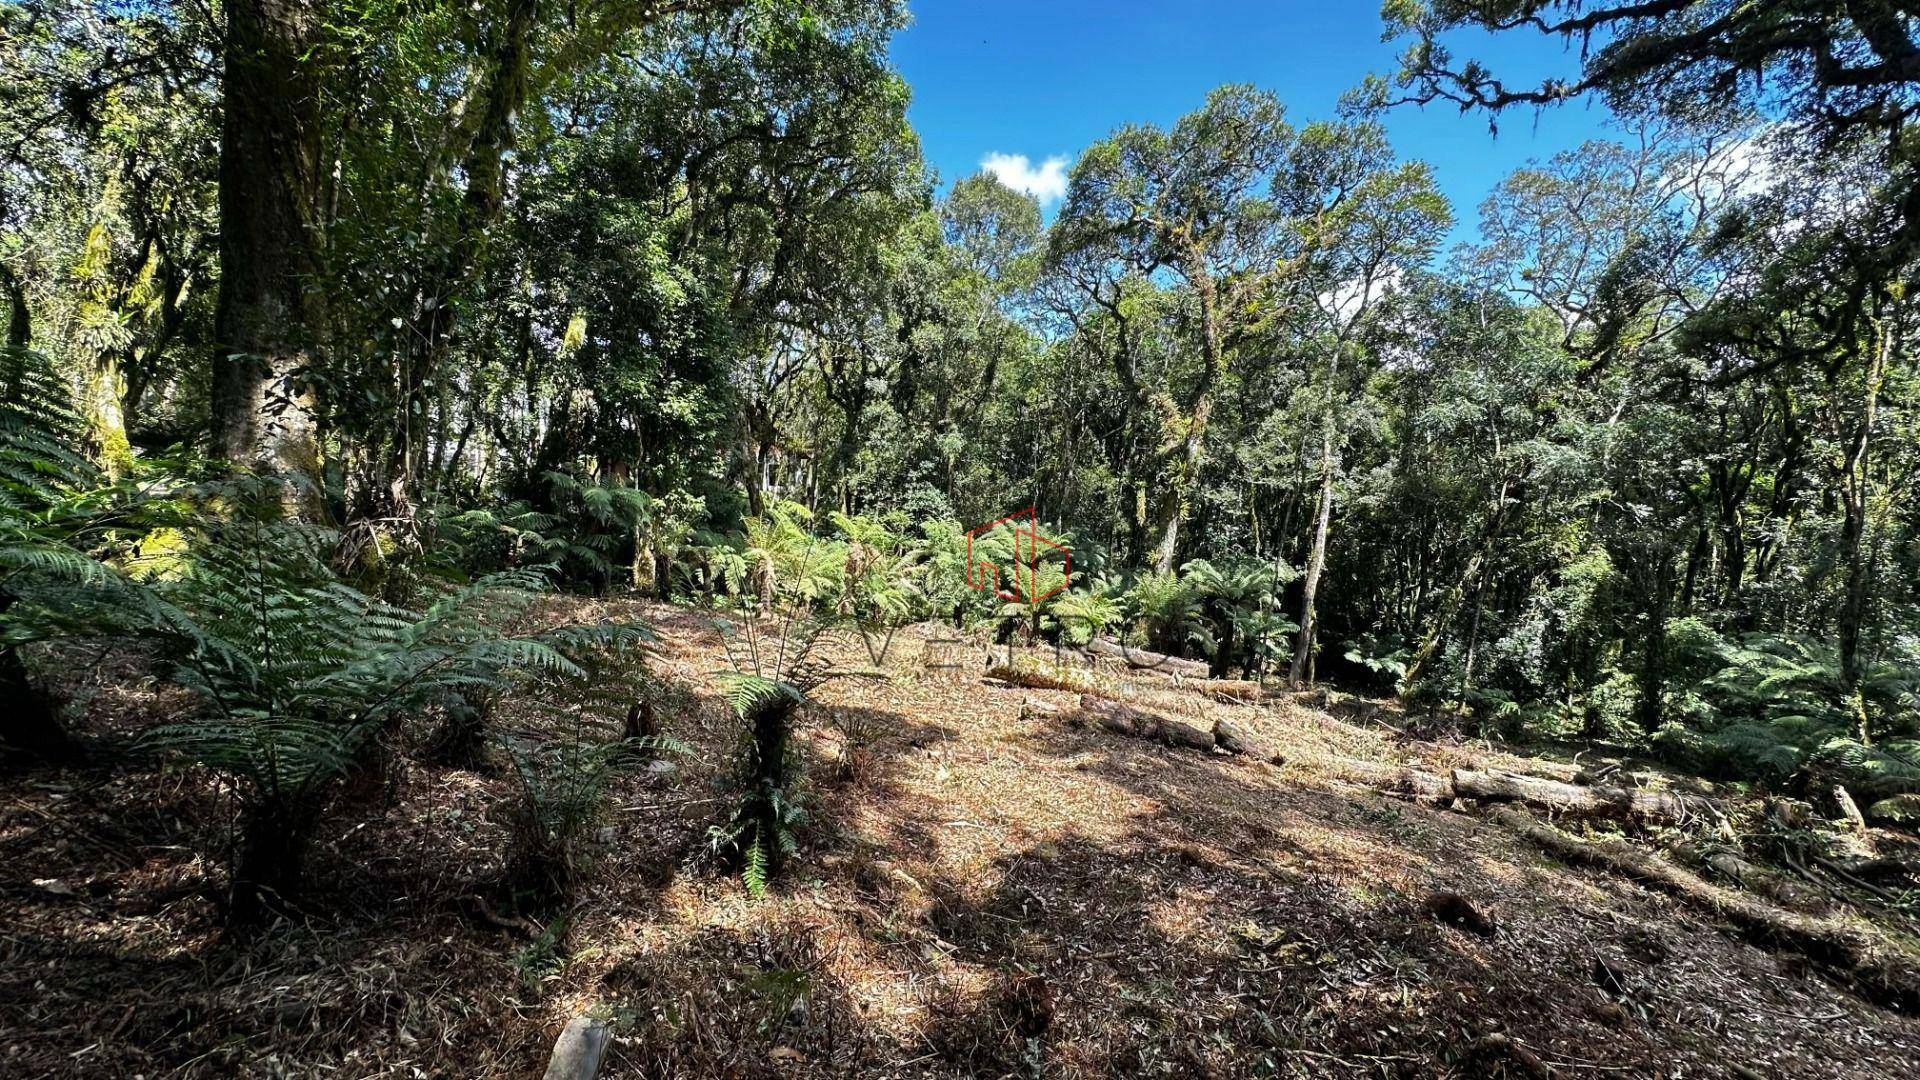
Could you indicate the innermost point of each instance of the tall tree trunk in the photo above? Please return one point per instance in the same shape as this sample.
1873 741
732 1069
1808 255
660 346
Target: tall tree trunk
1855 495
1183 466
1653 657
1170 508
758 440
104 328
1302 670
1189 431
269 318
1696 558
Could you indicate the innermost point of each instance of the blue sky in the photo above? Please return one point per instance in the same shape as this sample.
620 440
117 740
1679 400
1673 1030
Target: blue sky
1044 78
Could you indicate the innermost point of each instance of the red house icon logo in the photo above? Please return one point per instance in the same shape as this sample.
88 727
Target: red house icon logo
1030 548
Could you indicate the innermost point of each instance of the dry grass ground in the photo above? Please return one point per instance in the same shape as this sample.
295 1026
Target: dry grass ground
986 890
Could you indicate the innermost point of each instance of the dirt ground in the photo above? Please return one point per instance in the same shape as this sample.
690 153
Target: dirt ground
985 889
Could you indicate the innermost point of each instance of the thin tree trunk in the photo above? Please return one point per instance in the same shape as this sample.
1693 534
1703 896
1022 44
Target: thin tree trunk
1170 513
106 414
1302 670
1855 495
484 166
19 316
1469 579
1653 664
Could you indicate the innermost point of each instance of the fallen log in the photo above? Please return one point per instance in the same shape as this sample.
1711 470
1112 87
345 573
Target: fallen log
1572 799
1881 971
1393 779
1136 723
1760 880
1141 724
1177 732
1049 677
1121 719
1147 659
1235 690
1235 739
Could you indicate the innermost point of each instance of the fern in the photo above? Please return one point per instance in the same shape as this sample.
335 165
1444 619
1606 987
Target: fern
60 519
753 867
1165 610
301 677
565 760
771 678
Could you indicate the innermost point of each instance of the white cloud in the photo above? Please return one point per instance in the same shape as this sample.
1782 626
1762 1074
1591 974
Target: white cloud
1351 297
1048 183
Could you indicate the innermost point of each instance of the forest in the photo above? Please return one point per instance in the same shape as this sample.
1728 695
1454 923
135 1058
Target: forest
494 499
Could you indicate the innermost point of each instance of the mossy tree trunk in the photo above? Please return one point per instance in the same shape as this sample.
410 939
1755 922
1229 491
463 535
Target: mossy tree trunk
269 316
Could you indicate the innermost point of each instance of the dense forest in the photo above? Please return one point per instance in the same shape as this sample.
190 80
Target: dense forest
363 360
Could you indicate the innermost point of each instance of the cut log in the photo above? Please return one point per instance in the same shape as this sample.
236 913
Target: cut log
1141 724
1235 739
1572 799
1121 719
1757 879
1148 660
1235 690
1425 785
1881 971
1177 732
1032 707
1393 779
1047 677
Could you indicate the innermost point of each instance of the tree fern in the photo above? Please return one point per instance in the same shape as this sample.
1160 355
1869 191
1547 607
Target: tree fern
566 754
772 674
58 513
300 675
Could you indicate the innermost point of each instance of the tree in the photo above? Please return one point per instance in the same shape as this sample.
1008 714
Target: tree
270 320
1843 77
1357 223
1190 203
108 199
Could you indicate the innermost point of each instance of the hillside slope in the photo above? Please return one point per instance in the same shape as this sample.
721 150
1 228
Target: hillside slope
990 887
